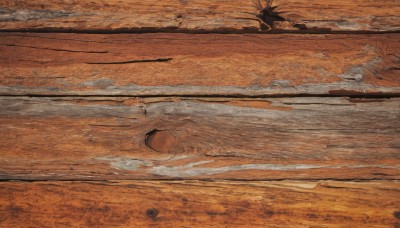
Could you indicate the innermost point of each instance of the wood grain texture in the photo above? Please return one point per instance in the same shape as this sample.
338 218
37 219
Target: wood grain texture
200 204
340 15
202 64
198 138
128 14
198 15
189 130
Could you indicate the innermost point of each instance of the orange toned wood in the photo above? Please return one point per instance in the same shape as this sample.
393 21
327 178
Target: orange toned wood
128 14
198 15
200 204
202 64
196 138
340 15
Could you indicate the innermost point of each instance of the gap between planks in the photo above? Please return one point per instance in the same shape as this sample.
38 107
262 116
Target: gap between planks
168 31
239 96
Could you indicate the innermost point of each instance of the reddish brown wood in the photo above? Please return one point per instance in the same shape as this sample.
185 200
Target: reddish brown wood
200 204
185 113
198 15
146 15
192 138
202 64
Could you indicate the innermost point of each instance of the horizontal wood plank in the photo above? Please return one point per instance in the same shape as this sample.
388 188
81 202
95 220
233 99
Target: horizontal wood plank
133 14
202 64
198 15
339 15
200 204
198 138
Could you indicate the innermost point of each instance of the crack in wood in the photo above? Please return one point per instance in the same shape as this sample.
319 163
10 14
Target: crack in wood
53 49
159 60
267 14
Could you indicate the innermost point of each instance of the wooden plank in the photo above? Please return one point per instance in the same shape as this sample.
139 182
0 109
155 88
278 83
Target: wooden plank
340 15
208 15
199 15
196 138
202 64
200 204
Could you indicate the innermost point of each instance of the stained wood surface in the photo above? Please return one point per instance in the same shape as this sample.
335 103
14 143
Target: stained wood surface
198 15
132 127
200 204
197 138
133 14
202 64
340 15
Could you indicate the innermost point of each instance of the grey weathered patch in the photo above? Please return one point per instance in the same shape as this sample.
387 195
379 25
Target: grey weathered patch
357 73
67 107
47 107
187 90
7 15
100 83
281 83
190 170
354 73
125 163
341 25
350 25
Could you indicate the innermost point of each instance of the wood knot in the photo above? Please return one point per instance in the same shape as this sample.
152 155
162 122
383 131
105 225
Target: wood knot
396 214
160 140
152 213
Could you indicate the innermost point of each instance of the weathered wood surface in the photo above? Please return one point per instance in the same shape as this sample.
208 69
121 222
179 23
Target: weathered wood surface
133 14
193 138
341 15
200 204
198 15
113 113
202 64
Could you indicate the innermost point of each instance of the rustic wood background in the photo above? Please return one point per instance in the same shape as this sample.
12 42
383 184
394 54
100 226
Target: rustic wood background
199 113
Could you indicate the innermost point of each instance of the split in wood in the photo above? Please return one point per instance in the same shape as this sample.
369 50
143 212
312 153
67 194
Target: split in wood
267 14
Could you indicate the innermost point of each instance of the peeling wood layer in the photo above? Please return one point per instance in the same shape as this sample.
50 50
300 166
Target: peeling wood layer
200 15
192 138
202 64
200 204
